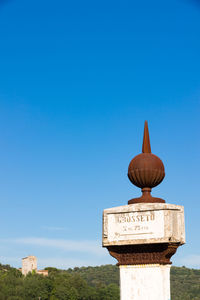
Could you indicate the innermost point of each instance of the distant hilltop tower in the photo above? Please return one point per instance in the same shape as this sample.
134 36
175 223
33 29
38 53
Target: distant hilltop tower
29 264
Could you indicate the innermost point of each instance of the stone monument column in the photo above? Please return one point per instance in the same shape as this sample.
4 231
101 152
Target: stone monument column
144 234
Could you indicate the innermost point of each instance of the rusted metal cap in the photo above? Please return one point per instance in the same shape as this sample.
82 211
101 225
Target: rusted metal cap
146 171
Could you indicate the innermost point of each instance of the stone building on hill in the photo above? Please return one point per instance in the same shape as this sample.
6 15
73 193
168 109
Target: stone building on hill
29 264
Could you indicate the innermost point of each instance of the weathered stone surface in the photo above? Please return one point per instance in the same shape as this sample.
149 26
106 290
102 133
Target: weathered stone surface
145 282
143 224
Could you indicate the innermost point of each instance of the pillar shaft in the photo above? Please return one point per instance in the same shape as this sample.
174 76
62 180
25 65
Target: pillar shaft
145 282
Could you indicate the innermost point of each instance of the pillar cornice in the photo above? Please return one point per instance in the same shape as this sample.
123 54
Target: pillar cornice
144 254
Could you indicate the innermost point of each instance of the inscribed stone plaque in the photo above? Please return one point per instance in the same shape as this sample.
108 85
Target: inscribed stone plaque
135 225
143 223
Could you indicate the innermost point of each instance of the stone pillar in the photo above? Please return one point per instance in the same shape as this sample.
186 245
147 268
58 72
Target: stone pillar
143 237
149 282
144 234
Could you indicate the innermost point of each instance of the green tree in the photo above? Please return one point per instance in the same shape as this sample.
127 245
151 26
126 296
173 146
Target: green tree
36 286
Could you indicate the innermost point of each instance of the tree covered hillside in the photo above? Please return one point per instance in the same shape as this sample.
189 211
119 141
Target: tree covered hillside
86 283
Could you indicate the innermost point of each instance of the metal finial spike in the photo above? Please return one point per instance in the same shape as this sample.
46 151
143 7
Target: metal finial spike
146 147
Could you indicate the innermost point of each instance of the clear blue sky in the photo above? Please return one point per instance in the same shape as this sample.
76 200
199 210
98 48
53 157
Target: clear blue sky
77 81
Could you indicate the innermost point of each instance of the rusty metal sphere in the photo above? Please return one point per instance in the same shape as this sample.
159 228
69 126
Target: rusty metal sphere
146 170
